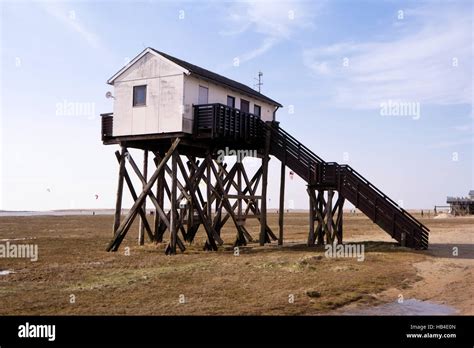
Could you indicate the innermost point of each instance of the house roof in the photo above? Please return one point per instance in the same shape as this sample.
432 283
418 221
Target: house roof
205 74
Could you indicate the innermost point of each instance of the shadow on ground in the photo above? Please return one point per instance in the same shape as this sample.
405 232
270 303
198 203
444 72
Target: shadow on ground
369 247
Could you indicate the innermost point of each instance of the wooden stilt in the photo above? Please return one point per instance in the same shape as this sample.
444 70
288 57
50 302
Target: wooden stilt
134 196
141 227
329 231
118 201
311 236
263 209
281 207
218 202
240 217
191 224
320 213
339 222
160 198
208 190
173 212
239 192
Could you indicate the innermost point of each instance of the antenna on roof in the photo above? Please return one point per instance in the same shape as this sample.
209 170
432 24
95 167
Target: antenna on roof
259 83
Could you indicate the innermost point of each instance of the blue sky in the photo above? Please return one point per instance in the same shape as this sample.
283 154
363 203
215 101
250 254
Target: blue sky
334 63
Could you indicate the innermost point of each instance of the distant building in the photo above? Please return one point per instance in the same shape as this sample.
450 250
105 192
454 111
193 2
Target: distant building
462 205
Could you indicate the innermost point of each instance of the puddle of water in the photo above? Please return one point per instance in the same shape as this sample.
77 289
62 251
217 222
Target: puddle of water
6 272
408 307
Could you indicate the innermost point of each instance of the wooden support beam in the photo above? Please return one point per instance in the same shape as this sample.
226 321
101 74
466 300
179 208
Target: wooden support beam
173 212
134 196
239 190
213 237
195 177
160 198
240 240
239 197
320 213
227 181
330 230
125 224
311 235
250 199
327 215
208 190
339 221
218 205
251 187
141 227
154 200
226 203
263 209
178 183
263 203
281 207
118 201
191 221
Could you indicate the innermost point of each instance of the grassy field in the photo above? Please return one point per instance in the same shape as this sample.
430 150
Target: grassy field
288 280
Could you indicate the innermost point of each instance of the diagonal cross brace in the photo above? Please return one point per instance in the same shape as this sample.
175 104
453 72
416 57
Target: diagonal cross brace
126 223
134 196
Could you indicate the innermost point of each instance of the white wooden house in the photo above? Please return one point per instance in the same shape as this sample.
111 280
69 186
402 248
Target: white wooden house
155 93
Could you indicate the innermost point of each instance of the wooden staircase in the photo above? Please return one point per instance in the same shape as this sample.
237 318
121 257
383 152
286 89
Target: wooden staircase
365 196
220 123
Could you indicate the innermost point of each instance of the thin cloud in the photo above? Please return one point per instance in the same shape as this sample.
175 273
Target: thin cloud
431 64
68 18
267 44
467 127
275 21
452 143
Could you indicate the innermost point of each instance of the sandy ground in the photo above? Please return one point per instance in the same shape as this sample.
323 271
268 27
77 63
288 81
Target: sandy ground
447 276
74 275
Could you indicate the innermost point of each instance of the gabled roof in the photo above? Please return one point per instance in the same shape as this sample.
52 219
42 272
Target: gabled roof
189 68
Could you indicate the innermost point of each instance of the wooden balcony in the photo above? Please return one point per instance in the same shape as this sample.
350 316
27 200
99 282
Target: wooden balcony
107 125
218 121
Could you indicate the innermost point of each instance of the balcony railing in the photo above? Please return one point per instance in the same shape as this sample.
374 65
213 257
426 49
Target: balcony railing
107 125
220 121
212 121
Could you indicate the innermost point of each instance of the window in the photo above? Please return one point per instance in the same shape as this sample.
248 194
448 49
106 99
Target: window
257 110
139 95
230 101
203 97
244 105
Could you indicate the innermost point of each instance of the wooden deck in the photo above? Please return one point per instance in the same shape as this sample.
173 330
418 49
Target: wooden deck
215 126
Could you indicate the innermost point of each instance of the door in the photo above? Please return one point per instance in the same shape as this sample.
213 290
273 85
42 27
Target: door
203 97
